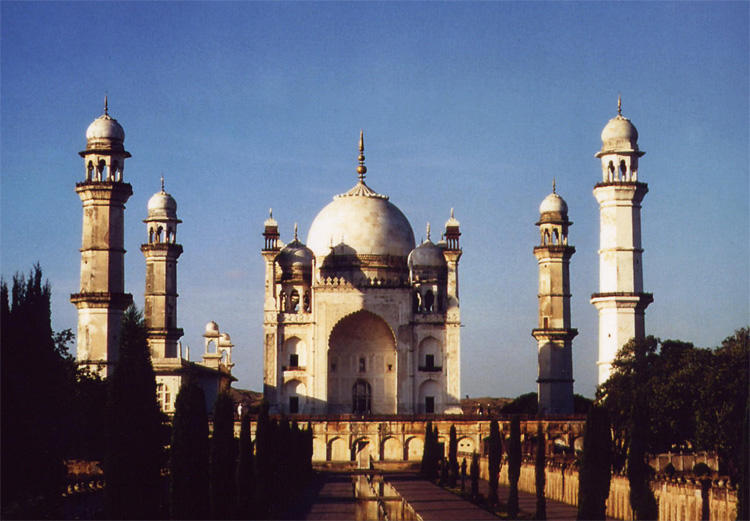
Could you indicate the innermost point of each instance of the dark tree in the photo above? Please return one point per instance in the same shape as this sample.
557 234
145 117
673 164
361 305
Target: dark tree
743 486
134 447
427 468
264 460
642 499
223 458
453 458
523 404
189 454
495 453
245 472
514 465
539 473
35 411
596 467
474 476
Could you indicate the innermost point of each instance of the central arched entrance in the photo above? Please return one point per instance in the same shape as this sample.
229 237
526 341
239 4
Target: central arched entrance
362 366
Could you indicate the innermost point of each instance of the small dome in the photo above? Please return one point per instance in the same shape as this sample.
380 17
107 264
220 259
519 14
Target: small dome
452 222
619 134
225 340
212 329
162 205
105 127
426 255
553 203
295 254
361 222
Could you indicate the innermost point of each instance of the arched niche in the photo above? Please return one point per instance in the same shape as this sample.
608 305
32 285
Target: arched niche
430 397
293 353
294 396
430 355
361 346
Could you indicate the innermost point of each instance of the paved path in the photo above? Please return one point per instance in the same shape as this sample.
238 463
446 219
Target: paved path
432 502
334 500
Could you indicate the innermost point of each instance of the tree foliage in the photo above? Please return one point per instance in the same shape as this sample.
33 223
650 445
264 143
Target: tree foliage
453 457
432 455
223 457
514 465
189 454
34 437
596 467
495 454
693 397
540 467
474 476
245 472
134 444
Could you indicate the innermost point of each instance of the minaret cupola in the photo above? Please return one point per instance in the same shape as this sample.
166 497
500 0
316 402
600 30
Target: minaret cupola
553 219
105 152
619 153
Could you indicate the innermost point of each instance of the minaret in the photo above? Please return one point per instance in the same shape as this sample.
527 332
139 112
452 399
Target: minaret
452 253
161 252
621 301
102 298
553 333
271 249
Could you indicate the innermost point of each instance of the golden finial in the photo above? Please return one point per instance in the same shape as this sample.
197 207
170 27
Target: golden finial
428 230
270 213
295 231
162 182
106 106
452 214
619 105
553 186
361 169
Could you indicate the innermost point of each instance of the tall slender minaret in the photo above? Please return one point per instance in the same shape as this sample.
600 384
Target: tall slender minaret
554 334
452 252
102 298
161 252
621 301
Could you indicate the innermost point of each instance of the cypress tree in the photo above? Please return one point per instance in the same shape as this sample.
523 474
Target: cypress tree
437 455
427 452
223 457
743 492
596 466
642 499
264 461
514 465
474 476
134 451
453 458
494 461
189 455
245 472
539 473
34 428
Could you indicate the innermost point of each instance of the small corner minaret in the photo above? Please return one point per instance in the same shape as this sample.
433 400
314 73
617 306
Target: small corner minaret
553 333
102 300
161 252
452 253
621 301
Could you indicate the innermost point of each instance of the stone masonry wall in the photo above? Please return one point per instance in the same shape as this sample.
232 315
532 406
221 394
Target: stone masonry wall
679 499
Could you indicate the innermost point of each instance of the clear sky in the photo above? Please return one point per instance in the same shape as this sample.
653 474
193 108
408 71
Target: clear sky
477 106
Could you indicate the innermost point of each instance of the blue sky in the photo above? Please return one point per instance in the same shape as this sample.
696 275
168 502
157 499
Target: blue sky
246 106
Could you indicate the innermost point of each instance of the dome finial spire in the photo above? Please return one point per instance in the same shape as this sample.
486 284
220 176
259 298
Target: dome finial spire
361 169
162 182
106 106
619 105
554 185
295 231
428 230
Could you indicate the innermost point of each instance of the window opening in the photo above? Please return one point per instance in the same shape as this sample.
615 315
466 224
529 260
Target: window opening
361 397
429 404
362 366
294 360
293 404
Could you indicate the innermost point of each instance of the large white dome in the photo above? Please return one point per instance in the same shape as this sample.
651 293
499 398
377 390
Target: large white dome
361 222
